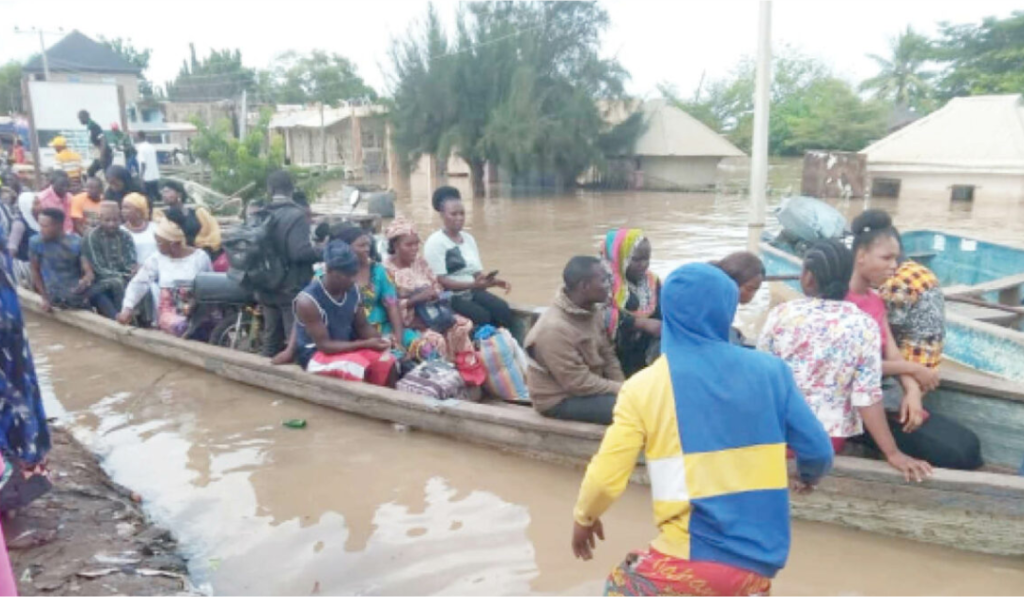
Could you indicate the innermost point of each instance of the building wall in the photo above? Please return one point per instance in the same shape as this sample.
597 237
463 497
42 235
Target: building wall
667 173
130 83
939 184
209 113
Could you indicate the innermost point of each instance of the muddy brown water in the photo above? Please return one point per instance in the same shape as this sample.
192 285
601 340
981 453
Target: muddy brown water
350 505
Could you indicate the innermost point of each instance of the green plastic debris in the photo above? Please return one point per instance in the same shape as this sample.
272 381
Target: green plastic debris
295 423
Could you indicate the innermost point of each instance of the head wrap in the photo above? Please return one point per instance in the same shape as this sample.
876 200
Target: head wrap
338 256
139 202
25 201
400 226
170 232
59 141
617 251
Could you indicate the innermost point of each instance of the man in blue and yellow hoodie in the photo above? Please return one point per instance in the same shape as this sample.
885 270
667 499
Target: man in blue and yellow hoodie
714 421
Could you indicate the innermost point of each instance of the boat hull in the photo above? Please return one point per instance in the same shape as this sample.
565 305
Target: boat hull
982 512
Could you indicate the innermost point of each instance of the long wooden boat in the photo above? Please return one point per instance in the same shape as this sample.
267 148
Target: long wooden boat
983 283
976 511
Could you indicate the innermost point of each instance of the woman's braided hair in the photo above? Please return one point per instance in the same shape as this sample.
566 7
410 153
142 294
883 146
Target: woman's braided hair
831 263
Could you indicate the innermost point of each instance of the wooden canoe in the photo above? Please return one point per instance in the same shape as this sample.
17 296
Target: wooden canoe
976 511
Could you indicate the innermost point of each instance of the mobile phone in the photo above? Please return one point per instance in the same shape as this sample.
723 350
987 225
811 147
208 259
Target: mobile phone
492 275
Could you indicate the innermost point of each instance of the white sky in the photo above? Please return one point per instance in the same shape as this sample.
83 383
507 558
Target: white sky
657 41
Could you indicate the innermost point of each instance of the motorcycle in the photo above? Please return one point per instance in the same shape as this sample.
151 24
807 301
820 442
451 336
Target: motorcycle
239 322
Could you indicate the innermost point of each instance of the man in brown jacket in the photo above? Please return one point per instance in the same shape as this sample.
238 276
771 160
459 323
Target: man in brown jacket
573 372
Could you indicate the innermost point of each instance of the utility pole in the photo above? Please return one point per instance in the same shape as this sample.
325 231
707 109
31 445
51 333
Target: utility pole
759 146
243 122
42 46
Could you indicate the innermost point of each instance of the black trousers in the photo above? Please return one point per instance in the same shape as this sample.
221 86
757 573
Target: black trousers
152 193
940 441
278 321
483 308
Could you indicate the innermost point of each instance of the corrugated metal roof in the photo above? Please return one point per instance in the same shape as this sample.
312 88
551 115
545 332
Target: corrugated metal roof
78 53
980 134
310 117
673 132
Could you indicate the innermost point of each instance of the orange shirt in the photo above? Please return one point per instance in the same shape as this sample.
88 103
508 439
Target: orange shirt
84 208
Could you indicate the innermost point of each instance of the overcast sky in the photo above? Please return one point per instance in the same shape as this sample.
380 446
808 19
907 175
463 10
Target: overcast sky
657 41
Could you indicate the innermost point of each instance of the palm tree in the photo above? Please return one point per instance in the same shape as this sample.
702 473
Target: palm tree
902 78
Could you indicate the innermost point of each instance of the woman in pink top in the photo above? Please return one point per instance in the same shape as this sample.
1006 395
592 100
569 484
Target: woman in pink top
933 438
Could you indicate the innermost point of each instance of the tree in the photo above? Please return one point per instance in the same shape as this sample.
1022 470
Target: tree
135 57
810 108
220 75
10 88
519 84
234 163
902 78
983 58
314 77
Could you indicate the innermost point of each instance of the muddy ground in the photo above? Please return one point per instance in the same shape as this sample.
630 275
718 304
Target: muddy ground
88 536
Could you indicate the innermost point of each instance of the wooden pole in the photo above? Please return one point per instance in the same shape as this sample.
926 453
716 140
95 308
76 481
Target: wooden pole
759 146
32 133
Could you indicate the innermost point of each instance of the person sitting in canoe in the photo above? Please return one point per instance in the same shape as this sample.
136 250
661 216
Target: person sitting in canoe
111 252
573 373
832 348
747 270
453 255
62 275
633 317
928 436
713 421
200 227
332 334
174 268
917 310
417 286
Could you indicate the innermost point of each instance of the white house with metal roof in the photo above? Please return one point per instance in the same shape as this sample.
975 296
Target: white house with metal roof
975 144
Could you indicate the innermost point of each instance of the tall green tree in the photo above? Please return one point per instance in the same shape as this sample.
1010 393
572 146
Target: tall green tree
518 84
221 75
981 58
10 88
318 76
902 77
134 56
810 107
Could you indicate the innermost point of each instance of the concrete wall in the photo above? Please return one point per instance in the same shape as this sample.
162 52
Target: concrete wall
209 113
667 173
939 184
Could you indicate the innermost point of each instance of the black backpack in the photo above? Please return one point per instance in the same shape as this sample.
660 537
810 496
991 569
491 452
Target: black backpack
254 261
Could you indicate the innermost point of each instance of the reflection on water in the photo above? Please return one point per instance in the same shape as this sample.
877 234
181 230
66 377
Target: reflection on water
351 506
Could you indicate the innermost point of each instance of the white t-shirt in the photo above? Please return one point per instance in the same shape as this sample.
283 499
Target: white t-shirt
147 156
166 272
438 245
145 242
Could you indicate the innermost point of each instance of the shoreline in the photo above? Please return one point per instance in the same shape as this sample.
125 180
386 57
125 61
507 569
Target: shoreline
89 535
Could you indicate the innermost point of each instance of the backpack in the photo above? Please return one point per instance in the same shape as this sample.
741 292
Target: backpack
250 250
436 379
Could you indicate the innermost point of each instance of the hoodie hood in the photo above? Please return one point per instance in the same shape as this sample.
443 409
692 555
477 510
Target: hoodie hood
698 304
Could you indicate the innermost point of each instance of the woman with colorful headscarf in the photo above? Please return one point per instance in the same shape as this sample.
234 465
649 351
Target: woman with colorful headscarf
200 227
417 284
174 267
633 316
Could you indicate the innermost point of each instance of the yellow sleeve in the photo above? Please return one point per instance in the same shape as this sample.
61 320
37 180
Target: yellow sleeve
610 469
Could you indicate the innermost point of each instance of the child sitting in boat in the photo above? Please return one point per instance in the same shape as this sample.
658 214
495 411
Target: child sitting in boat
937 439
832 348
573 372
332 334
917 311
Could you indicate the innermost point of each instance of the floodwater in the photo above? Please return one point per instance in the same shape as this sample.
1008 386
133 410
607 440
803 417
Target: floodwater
350 505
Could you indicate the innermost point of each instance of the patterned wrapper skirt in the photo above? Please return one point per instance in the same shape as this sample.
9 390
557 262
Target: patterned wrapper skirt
649 572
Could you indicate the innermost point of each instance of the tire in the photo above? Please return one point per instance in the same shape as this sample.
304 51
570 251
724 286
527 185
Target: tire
226 331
